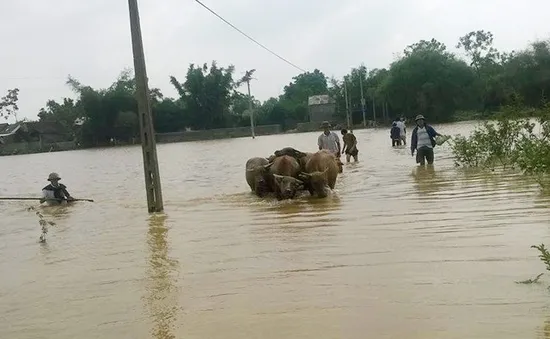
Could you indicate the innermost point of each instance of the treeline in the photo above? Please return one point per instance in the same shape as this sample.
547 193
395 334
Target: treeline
426 79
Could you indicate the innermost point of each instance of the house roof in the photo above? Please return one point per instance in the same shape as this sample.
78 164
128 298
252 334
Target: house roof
41 127
46 127
6 130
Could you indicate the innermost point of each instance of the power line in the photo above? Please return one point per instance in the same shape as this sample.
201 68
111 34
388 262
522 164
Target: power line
249 37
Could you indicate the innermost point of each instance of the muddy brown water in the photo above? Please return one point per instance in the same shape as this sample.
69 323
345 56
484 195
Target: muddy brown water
395 252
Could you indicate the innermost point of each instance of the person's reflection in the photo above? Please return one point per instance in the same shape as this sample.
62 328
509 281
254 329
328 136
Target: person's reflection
161 291
427 180
544 332
56 212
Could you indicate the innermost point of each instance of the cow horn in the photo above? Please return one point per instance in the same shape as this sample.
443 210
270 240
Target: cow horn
268 165
304 174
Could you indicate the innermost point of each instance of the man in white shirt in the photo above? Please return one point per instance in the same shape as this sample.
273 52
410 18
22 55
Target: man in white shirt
423 141
329 140
402 128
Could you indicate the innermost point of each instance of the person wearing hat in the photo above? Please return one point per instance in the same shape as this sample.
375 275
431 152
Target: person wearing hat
55 193
423 141
329 140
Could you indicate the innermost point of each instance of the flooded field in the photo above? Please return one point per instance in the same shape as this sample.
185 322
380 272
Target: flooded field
395 252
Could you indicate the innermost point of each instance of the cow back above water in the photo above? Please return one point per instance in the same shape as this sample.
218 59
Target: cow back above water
303 161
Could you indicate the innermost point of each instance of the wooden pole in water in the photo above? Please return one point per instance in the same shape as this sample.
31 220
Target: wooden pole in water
148 144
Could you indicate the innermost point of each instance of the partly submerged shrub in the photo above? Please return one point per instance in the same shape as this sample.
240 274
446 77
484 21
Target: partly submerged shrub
508 142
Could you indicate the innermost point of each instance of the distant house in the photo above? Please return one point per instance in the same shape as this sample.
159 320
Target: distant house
43 132
9 133
321 108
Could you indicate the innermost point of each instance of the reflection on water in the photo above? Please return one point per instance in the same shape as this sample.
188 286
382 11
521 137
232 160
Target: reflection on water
544 332
397 251
162 290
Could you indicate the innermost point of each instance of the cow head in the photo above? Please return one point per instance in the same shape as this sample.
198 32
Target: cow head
318 181
340 165
288 186
261 184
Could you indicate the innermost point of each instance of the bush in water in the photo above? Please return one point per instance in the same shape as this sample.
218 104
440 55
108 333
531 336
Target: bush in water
509 143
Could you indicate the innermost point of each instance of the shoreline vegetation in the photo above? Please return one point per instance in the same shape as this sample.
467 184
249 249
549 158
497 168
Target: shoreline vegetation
22 148
426 78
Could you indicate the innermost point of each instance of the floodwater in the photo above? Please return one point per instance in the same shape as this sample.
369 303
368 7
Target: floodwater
395 252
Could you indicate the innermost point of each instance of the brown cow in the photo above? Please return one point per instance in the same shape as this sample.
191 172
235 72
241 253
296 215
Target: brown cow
321 171
257 176
290 151
285 169
303 161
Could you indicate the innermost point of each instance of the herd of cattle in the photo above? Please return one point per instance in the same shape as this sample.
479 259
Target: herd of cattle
289 171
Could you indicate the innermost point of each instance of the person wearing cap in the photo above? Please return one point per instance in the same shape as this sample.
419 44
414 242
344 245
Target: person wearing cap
329 140
423 141
55 192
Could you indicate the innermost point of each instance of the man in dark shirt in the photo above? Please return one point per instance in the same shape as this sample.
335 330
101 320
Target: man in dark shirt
55 193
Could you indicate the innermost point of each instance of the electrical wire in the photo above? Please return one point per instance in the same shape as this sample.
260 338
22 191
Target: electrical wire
249 37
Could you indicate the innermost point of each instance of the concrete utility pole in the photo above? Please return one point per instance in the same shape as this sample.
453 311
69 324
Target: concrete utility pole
148 144
362 97
246 78
347 105
250 108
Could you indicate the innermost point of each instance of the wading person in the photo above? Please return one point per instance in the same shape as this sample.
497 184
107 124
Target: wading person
55 193
329 140
423 141
395 135
350 145
403 129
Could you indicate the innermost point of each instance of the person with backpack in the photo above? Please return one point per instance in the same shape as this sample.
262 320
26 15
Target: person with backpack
423 141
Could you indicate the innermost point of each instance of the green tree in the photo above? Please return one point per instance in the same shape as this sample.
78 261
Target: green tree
294 100
169 115
206 94
485 60
428 80
8 104
63 113
527 73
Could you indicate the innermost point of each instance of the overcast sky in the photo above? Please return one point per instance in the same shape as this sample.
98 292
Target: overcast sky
44 41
